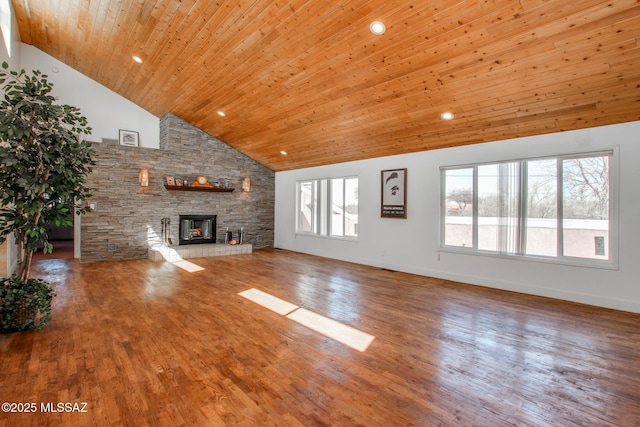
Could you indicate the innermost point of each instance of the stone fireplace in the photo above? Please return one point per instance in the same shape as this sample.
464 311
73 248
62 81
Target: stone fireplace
131 217
197 229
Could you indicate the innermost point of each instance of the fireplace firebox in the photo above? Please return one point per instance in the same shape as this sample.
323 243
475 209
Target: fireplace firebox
196 229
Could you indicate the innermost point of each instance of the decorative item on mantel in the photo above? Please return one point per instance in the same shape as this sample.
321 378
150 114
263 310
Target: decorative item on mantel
202 181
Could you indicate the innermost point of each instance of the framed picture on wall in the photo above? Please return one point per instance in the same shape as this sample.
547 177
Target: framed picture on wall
129 138
394 193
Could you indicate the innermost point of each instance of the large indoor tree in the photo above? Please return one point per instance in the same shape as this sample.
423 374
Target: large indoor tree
44 162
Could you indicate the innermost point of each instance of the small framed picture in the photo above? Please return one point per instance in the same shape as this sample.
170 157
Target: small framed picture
129 138
171 180
178 182
394 194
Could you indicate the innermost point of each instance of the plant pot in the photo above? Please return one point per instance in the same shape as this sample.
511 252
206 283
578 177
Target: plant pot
24 305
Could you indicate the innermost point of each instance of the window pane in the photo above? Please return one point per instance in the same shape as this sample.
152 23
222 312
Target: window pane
488 207
328 207
552 207
337 207
542 207
351 207
307 209
499 207
458 227
585 187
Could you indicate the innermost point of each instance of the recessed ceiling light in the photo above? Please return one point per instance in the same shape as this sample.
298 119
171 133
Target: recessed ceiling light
284 153
55 69
221 113
446 116
377 28
137 59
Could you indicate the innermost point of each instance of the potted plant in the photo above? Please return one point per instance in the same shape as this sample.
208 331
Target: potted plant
44 162
24 304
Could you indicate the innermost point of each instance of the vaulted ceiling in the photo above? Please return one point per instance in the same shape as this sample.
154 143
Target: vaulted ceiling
309 78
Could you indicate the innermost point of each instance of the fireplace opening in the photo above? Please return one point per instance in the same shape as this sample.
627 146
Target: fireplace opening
195 229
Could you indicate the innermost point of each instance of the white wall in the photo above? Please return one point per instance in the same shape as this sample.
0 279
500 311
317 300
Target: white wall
106 111
412 245
9 23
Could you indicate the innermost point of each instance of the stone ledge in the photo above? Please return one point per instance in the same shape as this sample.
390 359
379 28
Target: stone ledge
178 253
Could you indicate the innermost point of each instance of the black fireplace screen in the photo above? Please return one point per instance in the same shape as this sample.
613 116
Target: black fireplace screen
196 229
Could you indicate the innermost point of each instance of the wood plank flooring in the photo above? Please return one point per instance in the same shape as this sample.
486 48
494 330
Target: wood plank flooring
150 344
62 249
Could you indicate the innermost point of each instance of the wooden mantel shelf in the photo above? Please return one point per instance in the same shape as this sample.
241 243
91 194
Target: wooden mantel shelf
189 188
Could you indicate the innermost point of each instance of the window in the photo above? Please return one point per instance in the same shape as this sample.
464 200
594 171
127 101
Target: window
328 207
5 24
555 208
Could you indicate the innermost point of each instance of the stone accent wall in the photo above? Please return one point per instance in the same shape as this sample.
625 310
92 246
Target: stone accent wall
128 216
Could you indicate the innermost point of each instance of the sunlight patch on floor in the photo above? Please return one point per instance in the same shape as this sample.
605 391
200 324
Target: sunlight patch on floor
188 266
268 301
340 332
169 253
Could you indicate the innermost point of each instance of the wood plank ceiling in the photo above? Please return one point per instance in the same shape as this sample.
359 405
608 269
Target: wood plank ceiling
308 77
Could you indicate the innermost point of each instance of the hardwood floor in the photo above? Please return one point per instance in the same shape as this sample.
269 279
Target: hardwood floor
150 344
62 249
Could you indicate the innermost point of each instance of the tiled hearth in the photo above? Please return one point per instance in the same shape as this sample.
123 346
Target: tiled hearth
178 253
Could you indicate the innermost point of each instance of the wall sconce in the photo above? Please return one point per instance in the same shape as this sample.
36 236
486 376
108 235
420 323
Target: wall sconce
246 184
144 177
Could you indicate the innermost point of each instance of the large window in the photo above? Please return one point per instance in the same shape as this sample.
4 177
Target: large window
328 207
555 208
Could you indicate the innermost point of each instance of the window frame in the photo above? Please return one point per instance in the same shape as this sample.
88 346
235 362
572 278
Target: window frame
613 234
323 214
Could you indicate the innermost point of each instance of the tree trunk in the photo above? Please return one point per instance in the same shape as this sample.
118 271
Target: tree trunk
25 254
23 258
24 275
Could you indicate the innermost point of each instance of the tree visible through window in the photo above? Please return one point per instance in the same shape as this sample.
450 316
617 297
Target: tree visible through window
553 207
